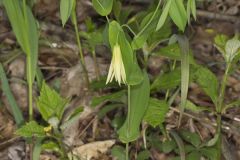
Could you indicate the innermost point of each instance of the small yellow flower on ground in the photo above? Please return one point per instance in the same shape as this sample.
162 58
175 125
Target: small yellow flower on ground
117 69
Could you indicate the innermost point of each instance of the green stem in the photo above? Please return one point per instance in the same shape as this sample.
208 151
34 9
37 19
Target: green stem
128 117
127 144
74 20
223 88
30 88
96 65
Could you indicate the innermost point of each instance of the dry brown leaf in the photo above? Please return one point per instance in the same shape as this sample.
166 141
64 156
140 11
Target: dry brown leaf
93 150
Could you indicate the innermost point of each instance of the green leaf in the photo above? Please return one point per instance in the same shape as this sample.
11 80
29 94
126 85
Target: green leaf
178 14
144 155
50 103
190 137
110 97
25 29
207 81
168 146
157 110
191 8
147 27
51 146
194 108
107 109
209 152
220 42
118 152
11 100
232 49
66 7
164 15
75 115
168 80
132 69
103 7
173 52
139 98
31 129
195 155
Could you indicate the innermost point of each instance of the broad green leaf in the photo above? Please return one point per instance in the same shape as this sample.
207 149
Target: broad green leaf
178 14
66 7
117 7
31 129
50 103
139 98
103 7
164 15
190 137
132 69
167 80
168 146
11 100
110 97
210 153
207 81
144 155
156 112
118 152
25 29
195 155
173 52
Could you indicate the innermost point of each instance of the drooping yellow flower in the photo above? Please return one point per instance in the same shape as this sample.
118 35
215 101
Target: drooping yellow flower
116 69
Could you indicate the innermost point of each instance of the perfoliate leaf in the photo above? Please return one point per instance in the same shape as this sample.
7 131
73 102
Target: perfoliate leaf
50 103
25 29
66 7
178 14
103 7
139 98
157 110
31 129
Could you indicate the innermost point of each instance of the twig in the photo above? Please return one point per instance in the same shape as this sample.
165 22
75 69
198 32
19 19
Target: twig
217 16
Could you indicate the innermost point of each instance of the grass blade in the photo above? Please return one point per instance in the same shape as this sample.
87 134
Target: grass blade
13 104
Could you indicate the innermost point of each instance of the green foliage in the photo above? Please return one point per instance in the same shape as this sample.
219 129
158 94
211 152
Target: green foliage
139 98
50 103
13 104
157 110
192 138
118 152
207 81
66 7
31 129
103 7
178 14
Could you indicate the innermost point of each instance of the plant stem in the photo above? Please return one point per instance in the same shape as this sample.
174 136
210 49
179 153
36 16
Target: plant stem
74 20
30 88
222 90
96 64
127 151
219 108
128 118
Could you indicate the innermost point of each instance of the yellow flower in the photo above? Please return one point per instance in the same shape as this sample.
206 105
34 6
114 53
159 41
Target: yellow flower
116 69
48 129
